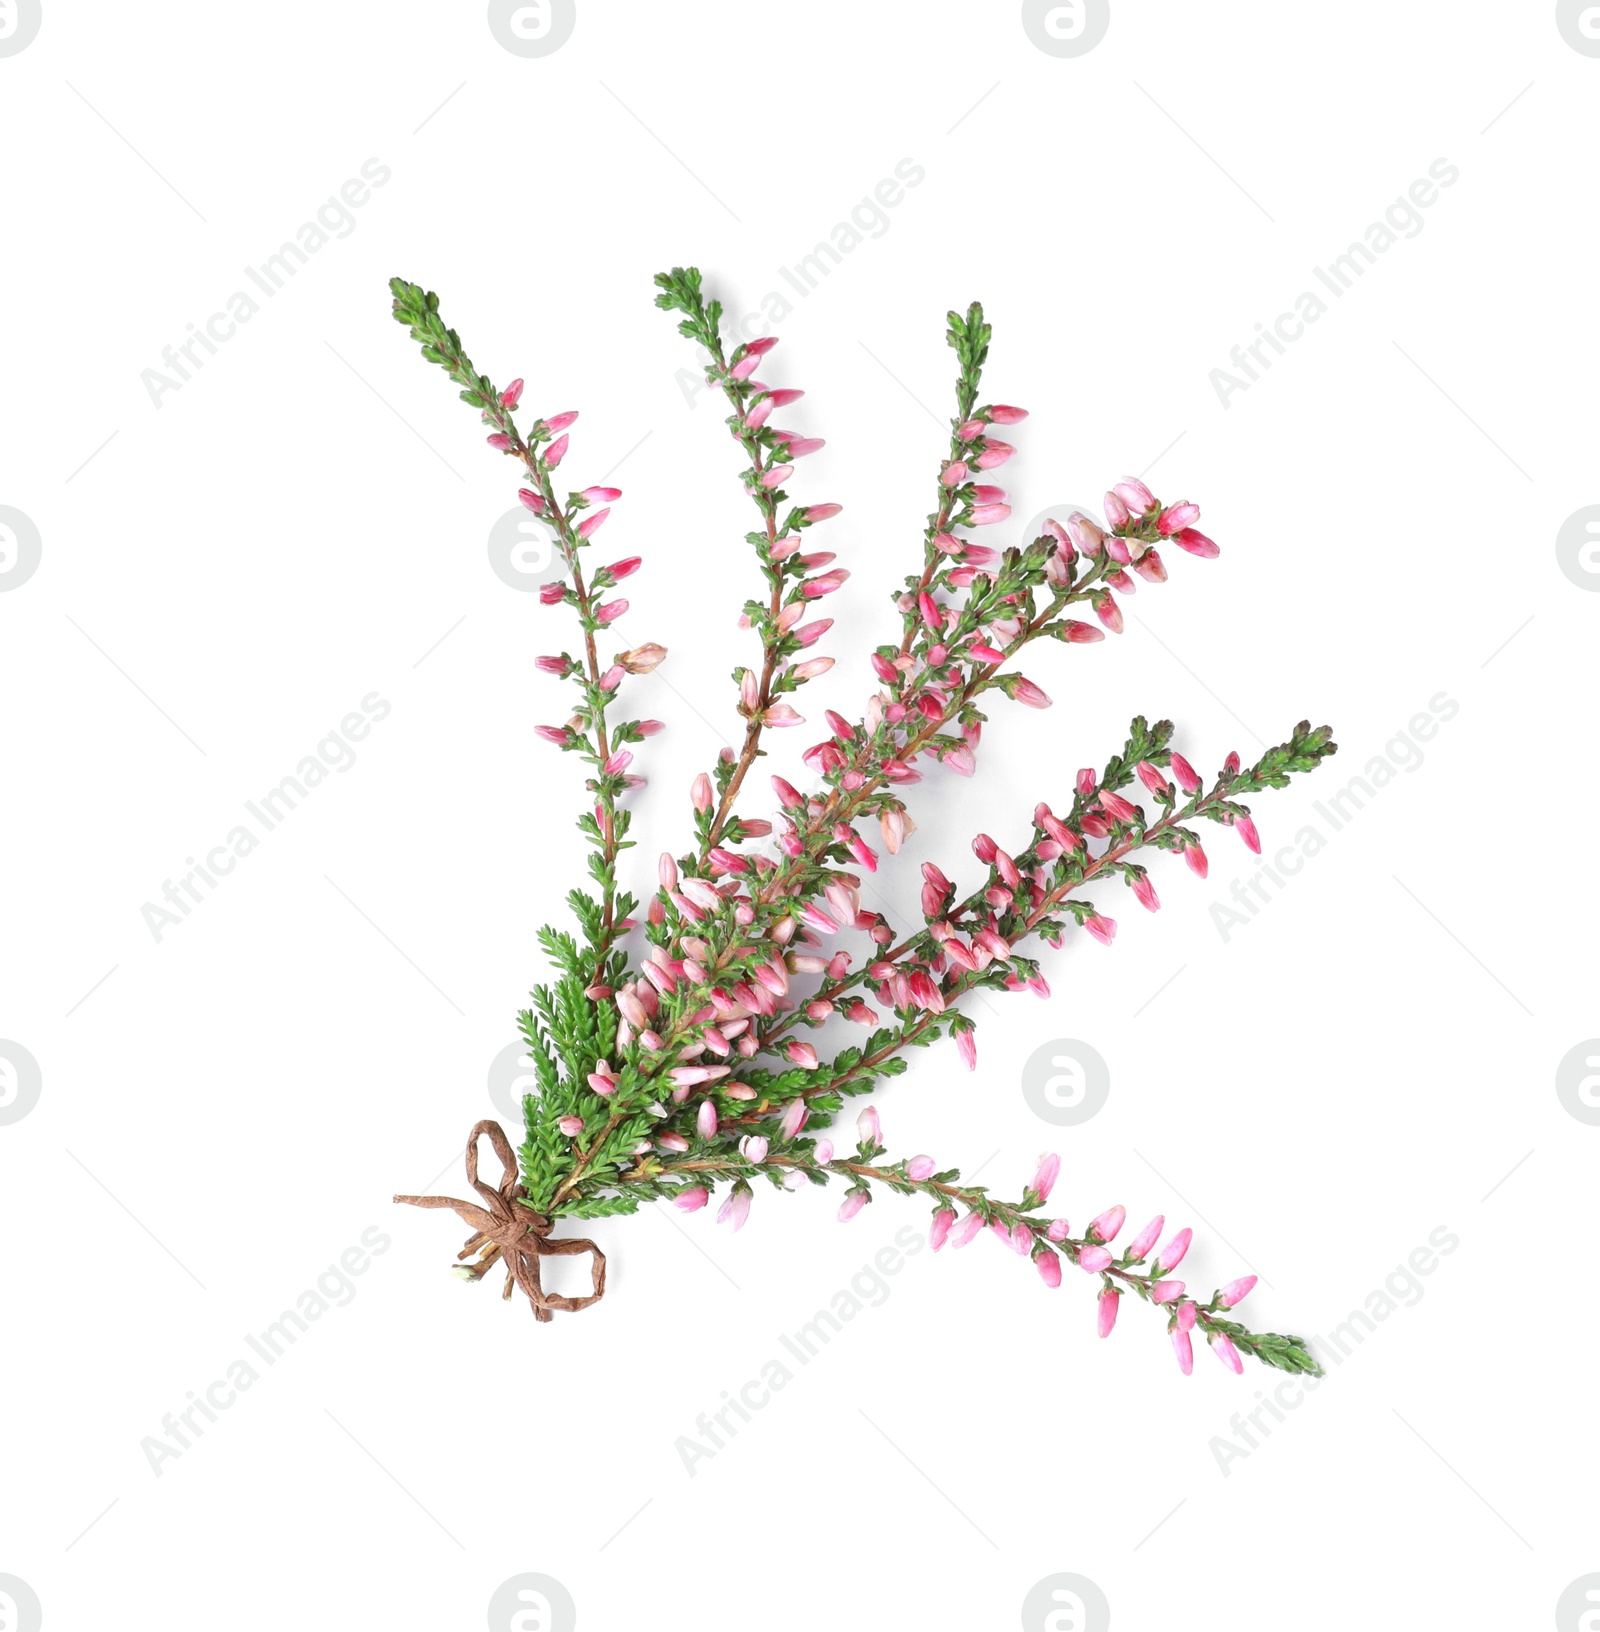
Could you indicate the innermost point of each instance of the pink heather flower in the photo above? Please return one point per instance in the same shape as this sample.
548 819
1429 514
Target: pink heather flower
825 584
1222 1347
1230 766
1029 695
600 495
967 1046
851 1205
1019 1235
1172 1253
869 1127
1116 807
1139 1247
1136 495
801 1054
921 1167
994 454
1108 1224
1184 1349
610 611
808 634
560 422
1116 511
745 367
512 395
590 525
753 1147
735 1210
1166 1291
1151 568
531 500
1196 859
1058 1229
1246 829
705 1120
953 474
1176 517
1103 929
602 1084
1145 893
939 1230
823 1154
1049 1267
557 734
819 512
617 763
1188 780
691 1201
642 659
1093 1259
498 441
1106 1311
557 452
986 515
780 715
1196 544
965 1230
1188 1314
1109 613
1151 776
572 1126
1236 1291
798 447
1082 634
1044 1180
1003 414
700 793
777 475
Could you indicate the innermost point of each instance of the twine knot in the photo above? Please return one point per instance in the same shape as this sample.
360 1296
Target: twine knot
512 1231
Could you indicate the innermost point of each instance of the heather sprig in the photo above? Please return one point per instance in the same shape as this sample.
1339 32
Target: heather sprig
706 1058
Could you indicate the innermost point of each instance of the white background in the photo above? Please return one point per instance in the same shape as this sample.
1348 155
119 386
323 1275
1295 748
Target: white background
227 575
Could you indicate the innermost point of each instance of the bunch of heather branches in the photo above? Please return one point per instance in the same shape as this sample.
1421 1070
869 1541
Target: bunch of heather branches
695 1063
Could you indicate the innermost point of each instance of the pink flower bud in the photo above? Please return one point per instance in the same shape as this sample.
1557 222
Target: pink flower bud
1118 808
557 452
939 1230
1116 511
1003 414
921 1167
1246 829
531 500
1151 776
794 1118
1103 929
557 734
1188 780
691 1201
1183 1347
1107 1311
986 515
498 441
1172 1254
851 1205
700 794
1166 1291
1081 634
735 1210
560 422
1093 1259
1222 1347
590 525
1109 613
1108 1224
820 512
869 1127
1187 1315
967 1047
1029 695
1049 1267
1176 517
1196 544
1044 1179
753 1147
705 1120
1139 1247
610 611
1236 1291
1135 495
969 1226
1196 859
572 1126
1145 893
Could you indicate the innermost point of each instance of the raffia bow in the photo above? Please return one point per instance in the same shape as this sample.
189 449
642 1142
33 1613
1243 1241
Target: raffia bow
511 1230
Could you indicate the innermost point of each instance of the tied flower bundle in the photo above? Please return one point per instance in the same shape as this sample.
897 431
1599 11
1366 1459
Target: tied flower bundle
695 1063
